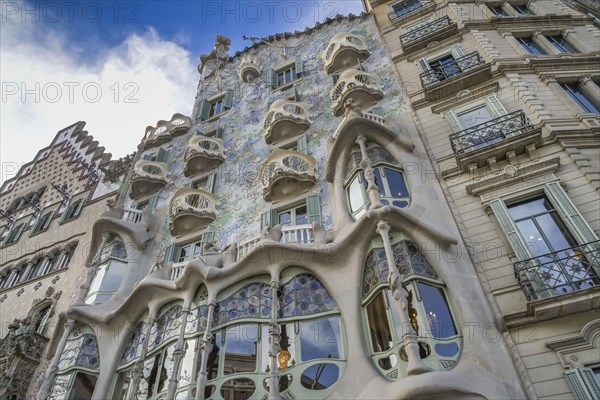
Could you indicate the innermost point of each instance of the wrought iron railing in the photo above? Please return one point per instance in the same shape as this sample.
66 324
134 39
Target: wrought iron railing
490 132
289 164
441 73
559 273
405 9
425 30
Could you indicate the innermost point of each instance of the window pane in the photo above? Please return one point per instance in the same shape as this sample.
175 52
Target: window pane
212 366
474 117
187 365
285 218
379 327
83 387
240 349
355 195
580 98
532 235
379 181
529 208
320 376
441 324
184 253
321 339
554 230
396 183
301 216
113 276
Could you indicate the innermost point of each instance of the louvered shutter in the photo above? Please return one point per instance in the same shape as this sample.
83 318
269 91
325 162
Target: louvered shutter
495 106
171 253
199 132
152 202
208 237
79 207
335 78
203 110
377 111
583 384
148 157
452 119
457 51
190 185
163 155
219 133
299 65
19 233
296 94
228 99
268 219
313 209
527 273
271 78
424 65
210 184
301 144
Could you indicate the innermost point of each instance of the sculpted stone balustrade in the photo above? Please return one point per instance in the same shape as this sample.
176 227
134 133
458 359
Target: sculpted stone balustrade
344 50
203 154
164 131
286 173
148 177
357 85
285 120
191 210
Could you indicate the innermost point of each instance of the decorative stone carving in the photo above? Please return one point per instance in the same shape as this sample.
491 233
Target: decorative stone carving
113 170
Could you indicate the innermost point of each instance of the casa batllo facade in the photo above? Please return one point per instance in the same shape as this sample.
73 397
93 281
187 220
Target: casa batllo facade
47 211
289 240
506 100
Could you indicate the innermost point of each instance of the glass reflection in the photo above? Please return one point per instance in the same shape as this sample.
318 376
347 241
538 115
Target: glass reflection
212 366
437 312
240 349
320 376
379 327
83 386
187 364
286 358
237 389
321 339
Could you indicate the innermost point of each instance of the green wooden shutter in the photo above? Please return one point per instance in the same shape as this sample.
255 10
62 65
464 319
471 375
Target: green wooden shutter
171 253
452 119
301 144
228 99
495 106
203 110
148 157
152 202
199 132
296 94
299 65
79 207
210 184
335 78
377 111
313 209
520 248
457 51
424 65
19 233
65 212
162 156
208 237
583 384
190 185
36 224
268 219
48 221
271 78
219 133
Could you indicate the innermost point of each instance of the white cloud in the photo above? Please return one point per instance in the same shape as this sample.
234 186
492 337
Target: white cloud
162 78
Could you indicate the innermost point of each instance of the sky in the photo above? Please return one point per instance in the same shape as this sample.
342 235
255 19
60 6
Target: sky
119 65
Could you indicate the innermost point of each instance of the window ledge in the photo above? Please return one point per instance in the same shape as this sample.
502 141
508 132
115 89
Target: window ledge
556 307
287 86
37 278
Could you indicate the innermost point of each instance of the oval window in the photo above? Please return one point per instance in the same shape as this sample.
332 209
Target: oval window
320 376
235 389
446 349
284 382
388 362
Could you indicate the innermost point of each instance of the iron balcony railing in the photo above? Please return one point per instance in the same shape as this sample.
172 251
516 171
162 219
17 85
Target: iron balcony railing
425 30
405 9
460 65
559 273
490 132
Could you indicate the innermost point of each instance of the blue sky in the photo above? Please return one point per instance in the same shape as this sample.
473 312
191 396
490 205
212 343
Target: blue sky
145 51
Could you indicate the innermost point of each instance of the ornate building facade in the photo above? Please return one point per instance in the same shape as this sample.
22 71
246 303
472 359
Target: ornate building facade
47 209
506 99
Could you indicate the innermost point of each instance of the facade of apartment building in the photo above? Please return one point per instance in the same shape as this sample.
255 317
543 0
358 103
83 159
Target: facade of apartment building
48 210
506 99
289 240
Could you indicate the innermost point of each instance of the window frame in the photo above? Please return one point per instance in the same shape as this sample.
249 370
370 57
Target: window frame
561 44
529 43
576 95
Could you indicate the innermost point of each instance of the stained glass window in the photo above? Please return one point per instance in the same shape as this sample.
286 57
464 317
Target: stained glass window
251 301
304 295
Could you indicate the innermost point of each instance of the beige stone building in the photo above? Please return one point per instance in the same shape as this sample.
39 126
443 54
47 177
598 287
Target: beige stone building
506 99
48 210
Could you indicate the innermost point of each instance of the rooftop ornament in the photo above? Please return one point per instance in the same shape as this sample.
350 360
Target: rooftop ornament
219 54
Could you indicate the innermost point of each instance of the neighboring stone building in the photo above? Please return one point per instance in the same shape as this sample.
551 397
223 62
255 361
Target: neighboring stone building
47 212
290 240
506 99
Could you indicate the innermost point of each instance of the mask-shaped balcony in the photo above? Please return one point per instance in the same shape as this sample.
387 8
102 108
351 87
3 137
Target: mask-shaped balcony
191 210
344 50
250 68
203 154
285 120
358 85
166 130
148 177
286 173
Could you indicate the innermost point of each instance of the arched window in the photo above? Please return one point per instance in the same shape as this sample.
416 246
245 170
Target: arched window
389 178
78 367
113 264
428 309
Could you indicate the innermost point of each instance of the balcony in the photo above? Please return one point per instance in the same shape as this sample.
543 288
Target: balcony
285 120
419 38
408 10
296 234
203 154
148 177
559 273
344 50
131 215
286 173
250 68
464 72
191 210
357 85
166 130
494 138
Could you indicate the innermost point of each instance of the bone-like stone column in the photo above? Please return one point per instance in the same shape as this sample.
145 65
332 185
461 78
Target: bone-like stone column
206 348
138 368
178 355
85 288
409 337
53 369
365 164
274 347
